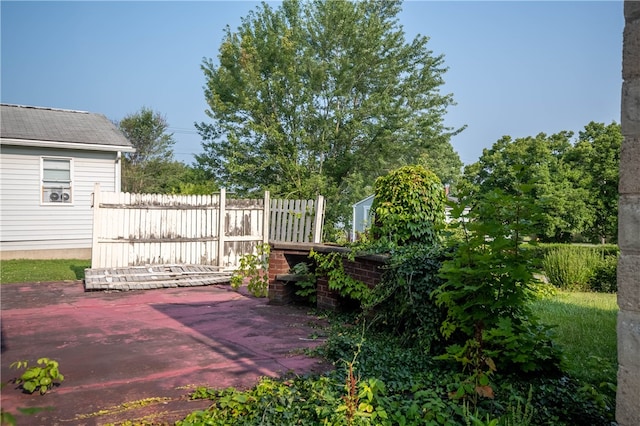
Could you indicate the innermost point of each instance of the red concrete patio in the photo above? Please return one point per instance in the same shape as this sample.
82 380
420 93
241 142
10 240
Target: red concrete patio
138 354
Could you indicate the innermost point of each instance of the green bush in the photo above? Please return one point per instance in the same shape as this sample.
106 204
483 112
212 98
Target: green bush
306 287
488 285
254 267
402 302
540 250
582 268
605 275
570 267
409 207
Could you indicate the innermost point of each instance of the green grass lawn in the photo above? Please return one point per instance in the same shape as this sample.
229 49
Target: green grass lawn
25 270
586 331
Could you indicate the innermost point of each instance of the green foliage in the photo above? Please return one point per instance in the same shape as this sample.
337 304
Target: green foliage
520 412
8 419
193 181
151 168
487 277
154 176
560 401
570 267
45 270
254 266
41 378
202 188
331 265
409 207
523 346
605 275
574 181
540 250
544 290
597 156
377 373
582 268
305 287
402 304
490 284
323 97
478 367
146 130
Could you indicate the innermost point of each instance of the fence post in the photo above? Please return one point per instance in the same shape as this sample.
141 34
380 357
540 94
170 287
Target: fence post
319 220
96 225
266 217
222 217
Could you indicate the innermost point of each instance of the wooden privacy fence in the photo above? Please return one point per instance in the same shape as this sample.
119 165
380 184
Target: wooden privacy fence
151 229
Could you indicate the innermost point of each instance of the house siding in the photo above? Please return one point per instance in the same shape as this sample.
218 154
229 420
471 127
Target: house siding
361 216
25 223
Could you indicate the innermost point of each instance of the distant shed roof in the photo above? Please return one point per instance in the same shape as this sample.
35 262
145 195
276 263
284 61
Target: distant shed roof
28 125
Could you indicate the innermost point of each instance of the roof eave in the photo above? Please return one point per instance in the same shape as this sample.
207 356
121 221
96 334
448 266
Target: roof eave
67 145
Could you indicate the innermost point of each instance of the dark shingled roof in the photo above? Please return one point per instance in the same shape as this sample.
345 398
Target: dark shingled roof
48 124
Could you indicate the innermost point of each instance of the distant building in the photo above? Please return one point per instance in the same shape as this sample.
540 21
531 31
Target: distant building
362 216
50 160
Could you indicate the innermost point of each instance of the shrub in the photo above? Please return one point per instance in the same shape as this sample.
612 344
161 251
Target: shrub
570 267
409 207
402 302
489 282
540 250
605 275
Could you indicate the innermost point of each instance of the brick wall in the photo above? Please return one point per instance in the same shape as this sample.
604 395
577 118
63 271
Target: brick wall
282 257
285 255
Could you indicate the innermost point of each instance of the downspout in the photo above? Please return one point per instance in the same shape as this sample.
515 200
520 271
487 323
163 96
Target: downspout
118 172
353 224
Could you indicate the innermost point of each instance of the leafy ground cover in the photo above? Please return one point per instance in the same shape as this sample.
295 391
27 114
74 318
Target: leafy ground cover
27 270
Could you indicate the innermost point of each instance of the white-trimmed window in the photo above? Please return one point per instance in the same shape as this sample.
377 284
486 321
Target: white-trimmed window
57 180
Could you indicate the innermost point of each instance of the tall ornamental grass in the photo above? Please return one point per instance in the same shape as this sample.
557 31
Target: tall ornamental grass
572 267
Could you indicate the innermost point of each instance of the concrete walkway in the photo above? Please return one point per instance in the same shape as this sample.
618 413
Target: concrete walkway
136 355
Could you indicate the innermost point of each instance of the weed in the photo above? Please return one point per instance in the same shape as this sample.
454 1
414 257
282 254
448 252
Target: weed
254 267
41 378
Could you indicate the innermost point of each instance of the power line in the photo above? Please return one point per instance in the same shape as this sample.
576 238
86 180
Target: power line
182 130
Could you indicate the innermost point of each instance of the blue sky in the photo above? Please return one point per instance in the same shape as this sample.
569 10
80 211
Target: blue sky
515 68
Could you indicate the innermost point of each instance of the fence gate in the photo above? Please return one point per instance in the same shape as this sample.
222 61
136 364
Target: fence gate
151 229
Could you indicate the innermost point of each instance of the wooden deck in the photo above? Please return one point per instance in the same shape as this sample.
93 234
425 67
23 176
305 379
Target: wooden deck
154 276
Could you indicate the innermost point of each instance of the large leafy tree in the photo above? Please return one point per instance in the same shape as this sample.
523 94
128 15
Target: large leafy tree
151 168
574 185
537 161
147 132
596 158
322 97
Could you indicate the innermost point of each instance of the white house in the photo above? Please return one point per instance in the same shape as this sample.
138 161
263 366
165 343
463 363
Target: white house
50 160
